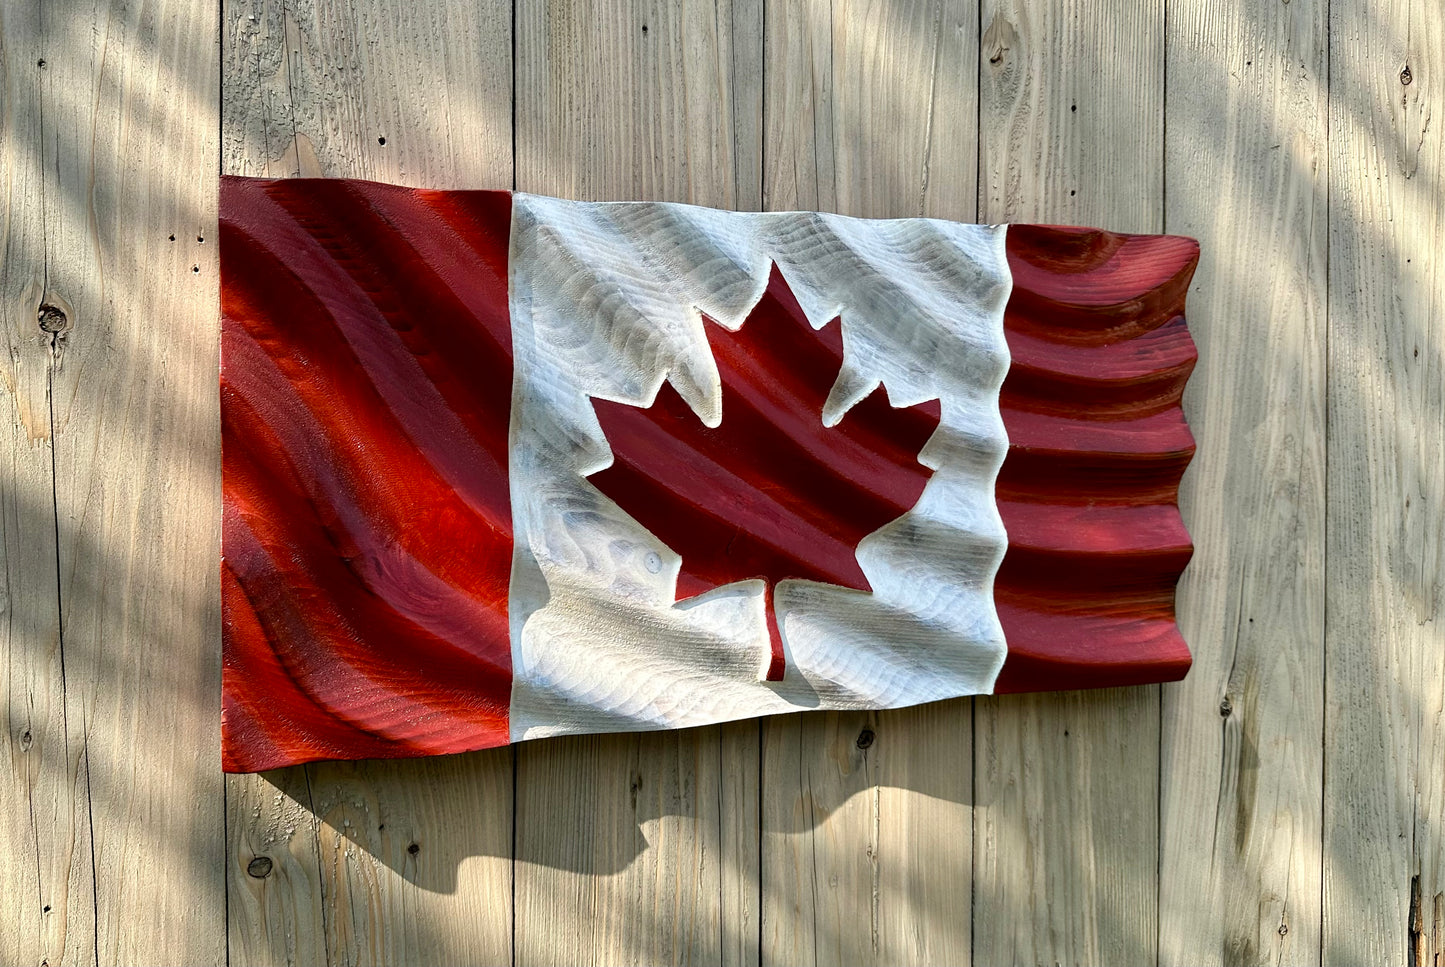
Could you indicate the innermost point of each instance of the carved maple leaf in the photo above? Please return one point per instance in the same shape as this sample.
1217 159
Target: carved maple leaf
771 493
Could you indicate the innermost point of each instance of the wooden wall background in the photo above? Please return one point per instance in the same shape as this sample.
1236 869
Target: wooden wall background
1285 804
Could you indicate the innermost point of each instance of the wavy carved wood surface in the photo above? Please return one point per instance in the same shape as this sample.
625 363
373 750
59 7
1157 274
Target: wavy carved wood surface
375 605
1098 443
365 382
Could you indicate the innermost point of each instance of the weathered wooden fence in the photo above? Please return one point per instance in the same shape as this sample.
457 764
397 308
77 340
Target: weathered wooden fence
1286 803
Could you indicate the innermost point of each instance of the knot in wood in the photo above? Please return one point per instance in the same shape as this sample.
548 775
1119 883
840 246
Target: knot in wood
1406 77
1226 708
413 849
865 738
52 319
259 867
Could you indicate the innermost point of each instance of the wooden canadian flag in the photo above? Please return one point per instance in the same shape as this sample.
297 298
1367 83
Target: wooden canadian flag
499 466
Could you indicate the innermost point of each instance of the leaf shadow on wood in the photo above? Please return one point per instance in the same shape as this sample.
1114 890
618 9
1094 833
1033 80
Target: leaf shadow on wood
1278 780
111 485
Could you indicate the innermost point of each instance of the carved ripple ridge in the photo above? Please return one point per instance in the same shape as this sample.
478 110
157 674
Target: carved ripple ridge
1098 444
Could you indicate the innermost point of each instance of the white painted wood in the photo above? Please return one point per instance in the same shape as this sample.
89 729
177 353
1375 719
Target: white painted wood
1066 819
1241 773
1384 851
866 853
607 301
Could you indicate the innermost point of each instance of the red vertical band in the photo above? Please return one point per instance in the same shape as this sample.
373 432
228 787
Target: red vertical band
1097 446
365 381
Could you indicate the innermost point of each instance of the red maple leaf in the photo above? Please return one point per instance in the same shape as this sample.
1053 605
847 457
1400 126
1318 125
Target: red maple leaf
771 493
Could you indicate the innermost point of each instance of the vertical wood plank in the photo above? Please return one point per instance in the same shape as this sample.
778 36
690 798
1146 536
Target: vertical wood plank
871 109
1241 779
1384 840
411 93
1066 822
128 141
639 848
866 837
643 100
619 849
415 859
47 899
1081 145
274 908
739 753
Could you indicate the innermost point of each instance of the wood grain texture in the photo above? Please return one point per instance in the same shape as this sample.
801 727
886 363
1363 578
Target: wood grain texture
591 659
274 908
1381 798
367 532
870 110
619 848
630 849
1065 821
739 834
47 908
414 862
866 847
1097 443
415 93
109 148
650 100
368 542
1384 855
1240 779
666 488
314 88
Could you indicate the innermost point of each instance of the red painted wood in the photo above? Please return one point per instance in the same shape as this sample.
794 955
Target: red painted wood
1097 446
365 381
770 493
